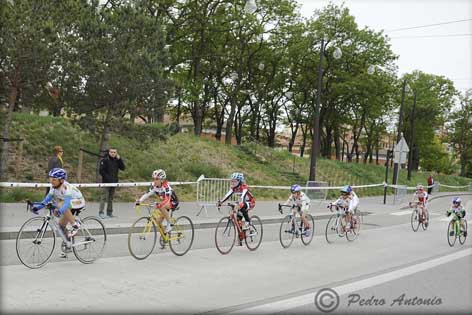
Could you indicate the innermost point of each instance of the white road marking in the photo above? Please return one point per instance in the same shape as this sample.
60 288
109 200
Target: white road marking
306 299
401 212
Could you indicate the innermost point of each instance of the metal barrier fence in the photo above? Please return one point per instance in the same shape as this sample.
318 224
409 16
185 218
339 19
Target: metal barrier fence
210 190
399 194
316 194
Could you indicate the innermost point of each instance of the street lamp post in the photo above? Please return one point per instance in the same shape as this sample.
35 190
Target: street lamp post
315 143
412 136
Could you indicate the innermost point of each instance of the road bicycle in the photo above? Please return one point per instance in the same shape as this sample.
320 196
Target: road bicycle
416 218
336 227
36 239
454 230
292 227
142 236
231 226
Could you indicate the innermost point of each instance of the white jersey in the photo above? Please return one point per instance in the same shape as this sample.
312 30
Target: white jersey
303 201
58 195
352 202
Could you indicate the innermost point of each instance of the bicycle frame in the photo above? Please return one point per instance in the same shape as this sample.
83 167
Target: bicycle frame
153 217
293 215
52 220
233 217
339 217
418 208
457 224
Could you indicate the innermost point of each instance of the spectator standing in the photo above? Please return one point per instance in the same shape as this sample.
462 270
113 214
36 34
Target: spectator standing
430 184
109 168
55 161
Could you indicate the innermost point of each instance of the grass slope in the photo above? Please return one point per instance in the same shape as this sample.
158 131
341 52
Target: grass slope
184 157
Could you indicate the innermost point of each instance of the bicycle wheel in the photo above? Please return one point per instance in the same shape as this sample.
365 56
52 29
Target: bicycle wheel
253 235
89 242
142 238
225 235
35 242
451 233
181 236
353 232
334 229
307 237
415 223
463 235
423 225
287 231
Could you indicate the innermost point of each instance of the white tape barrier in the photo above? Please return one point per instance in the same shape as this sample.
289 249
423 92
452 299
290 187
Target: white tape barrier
466 186
87 185
315 188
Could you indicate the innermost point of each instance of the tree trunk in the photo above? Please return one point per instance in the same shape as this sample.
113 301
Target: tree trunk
337 144
179 104
7 122
329 140
304 133
104 141
293 137
377 155
197 117
229 122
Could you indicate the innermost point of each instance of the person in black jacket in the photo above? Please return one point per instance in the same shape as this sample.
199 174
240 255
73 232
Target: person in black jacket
55 161
109 167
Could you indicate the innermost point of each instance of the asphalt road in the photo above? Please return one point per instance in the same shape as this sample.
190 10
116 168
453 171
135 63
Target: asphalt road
386 262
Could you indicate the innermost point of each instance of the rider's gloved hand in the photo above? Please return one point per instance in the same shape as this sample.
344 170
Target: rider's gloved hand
218 203
137 203
35 210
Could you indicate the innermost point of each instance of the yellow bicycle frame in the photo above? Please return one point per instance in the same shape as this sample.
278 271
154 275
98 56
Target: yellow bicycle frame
153 216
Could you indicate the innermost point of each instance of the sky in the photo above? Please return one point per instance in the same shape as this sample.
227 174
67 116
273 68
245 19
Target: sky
450 56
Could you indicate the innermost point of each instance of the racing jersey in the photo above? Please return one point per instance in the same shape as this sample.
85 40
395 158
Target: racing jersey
67 194
459 210
245 196
164 192
422 196
303 202
350 202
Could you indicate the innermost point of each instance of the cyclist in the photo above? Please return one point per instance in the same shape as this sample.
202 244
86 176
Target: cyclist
169 201
349 201
67 200
459 211
301 202
246 200
422 197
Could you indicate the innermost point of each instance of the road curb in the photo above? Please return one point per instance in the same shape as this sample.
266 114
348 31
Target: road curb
10 235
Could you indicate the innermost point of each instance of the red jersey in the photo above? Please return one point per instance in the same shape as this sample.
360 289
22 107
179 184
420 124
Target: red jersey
244 194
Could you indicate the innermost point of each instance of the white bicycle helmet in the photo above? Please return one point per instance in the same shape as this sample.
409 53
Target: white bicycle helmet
159 174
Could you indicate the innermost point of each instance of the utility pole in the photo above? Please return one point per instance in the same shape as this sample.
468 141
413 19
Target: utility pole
400 118
412 135
315 143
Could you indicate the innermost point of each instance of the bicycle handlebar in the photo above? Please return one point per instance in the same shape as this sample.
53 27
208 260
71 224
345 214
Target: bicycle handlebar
286 206
331 205
228 204
30 205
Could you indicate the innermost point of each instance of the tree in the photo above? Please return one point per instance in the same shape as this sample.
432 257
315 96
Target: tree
460 133
28 37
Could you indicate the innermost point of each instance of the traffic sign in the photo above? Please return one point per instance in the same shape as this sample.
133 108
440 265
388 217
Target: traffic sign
400 151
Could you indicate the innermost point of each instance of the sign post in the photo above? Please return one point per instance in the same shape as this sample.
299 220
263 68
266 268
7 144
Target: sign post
400 153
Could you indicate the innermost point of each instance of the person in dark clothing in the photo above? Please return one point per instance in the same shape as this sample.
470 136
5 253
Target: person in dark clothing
109 168
55 161
430 183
